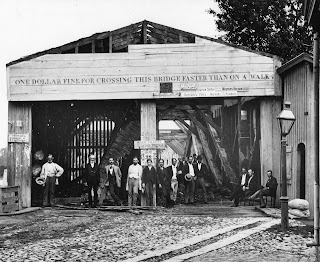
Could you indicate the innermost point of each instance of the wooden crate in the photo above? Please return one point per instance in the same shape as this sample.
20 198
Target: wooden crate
10 199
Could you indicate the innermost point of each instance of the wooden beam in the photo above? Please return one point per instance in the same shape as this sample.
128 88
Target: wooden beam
93 46
206 118
210 158
166 112
144 32
196 122
222 154
182 127
188 143
110 43
191 129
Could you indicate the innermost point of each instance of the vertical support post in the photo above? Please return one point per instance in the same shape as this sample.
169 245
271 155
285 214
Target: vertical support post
110 43
316 132
148 132
284 198
19 152
239 134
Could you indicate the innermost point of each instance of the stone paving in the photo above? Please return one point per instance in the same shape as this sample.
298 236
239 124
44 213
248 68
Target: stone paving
59 235
91 235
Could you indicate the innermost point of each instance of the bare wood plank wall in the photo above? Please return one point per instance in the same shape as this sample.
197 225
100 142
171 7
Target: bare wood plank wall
19 153
299 91
270 138
99 75
148 132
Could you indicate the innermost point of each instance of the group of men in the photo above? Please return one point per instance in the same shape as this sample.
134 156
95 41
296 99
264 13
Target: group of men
248 187
145 180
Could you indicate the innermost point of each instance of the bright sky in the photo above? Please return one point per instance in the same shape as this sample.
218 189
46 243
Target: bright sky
27 27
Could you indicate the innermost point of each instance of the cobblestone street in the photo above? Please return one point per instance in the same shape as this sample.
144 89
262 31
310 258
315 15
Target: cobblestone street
92 235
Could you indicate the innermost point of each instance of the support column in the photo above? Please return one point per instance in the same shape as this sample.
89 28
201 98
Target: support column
19 149
148 132
270 139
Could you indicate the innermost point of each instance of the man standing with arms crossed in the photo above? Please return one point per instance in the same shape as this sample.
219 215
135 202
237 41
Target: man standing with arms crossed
134 182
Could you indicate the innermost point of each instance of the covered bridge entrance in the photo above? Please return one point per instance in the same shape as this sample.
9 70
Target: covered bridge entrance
107 94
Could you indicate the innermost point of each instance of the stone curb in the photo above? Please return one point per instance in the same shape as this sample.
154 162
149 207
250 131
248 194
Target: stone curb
20 212
224 242
193 240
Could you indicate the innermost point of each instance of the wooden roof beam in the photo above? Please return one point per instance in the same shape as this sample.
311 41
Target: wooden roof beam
166 112
196 121
206 118
190 128
182 127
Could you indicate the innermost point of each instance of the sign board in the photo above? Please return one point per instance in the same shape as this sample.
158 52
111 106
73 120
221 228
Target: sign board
150 144
18 138
148 154
173 71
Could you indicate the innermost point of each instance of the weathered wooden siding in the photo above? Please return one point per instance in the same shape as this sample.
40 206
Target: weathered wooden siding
298 90
195 70
270 139
19 153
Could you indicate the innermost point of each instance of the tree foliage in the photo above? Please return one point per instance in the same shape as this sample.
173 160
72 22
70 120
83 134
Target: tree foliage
272 26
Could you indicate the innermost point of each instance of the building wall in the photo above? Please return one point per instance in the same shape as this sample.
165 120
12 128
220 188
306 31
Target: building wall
298 89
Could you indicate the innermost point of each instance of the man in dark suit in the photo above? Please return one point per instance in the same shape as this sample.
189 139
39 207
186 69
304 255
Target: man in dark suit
148 180
269 190
201 172
252 184
164 180
189 181
91 179
240 187
174 173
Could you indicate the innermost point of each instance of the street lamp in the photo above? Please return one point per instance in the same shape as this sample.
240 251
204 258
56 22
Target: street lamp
286 120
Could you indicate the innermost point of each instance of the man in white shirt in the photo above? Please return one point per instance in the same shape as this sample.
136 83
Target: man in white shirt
50 172
174 172
134 182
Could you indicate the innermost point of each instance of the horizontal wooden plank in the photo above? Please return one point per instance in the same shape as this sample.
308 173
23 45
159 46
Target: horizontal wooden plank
174 61
188 67
242 87
10 200
117 95
10 207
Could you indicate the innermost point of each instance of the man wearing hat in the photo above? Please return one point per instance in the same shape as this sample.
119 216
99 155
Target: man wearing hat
188 172
50 172
201 171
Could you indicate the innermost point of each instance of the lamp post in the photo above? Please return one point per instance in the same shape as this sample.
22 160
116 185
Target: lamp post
286 120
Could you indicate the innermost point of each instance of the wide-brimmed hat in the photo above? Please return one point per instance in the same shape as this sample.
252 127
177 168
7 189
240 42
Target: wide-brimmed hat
50 156
40 180
188 177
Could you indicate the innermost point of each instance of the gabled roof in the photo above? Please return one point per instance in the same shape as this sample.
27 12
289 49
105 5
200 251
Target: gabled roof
304 57
144 32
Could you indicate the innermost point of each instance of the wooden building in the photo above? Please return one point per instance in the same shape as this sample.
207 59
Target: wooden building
297 79
108 92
